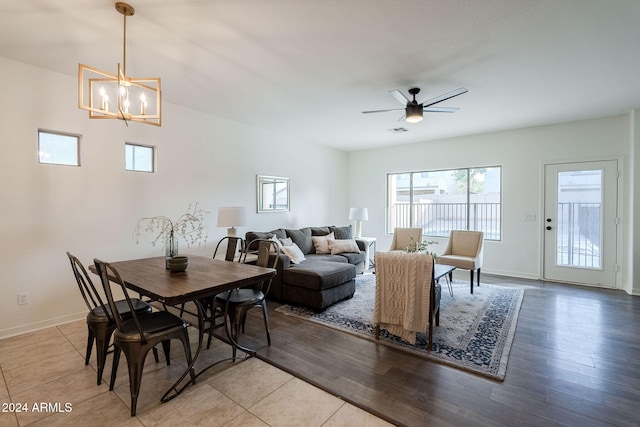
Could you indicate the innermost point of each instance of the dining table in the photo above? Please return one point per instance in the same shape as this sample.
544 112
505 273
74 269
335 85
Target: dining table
203 279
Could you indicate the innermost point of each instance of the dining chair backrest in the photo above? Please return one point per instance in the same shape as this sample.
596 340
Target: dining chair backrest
232 248
89 292
268 256
109 274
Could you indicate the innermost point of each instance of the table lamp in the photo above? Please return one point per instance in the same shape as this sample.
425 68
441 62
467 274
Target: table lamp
232 217
358 215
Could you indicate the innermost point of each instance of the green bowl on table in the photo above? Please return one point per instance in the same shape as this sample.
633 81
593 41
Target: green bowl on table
178 263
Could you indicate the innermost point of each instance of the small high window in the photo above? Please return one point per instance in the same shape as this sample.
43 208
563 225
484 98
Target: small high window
139 158
58 148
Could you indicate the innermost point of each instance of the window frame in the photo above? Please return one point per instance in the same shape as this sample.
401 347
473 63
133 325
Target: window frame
468 203
78 139
136 145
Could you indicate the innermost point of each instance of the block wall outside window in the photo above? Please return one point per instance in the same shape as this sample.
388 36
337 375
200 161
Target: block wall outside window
445 200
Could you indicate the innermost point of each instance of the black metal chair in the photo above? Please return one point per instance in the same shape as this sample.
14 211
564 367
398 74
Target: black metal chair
232 248
100 323
135 336
241 300
235 246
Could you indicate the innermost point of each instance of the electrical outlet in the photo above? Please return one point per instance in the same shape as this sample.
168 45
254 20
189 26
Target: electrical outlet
23 298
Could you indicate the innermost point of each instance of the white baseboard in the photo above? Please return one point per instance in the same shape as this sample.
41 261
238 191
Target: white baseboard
465 273
36 326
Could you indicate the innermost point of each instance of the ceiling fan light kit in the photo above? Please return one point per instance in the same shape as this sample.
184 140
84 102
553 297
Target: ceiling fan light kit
118 96
414 111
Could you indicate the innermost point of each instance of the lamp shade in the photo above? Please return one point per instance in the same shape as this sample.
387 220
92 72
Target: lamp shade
232 217
358 214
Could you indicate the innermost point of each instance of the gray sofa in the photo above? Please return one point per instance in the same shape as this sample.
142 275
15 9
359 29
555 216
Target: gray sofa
321 279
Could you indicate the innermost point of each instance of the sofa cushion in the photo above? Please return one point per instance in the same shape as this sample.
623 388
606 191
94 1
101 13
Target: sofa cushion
342 232
319 275
319 300
321 243
302 238
327 257
250 236
353 258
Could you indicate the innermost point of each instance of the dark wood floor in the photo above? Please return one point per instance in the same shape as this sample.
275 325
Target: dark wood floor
575 361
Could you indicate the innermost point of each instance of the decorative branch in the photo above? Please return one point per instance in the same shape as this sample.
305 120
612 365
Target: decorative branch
188 225
421 246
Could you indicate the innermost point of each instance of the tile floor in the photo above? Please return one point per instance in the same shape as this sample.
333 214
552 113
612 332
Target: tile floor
47 367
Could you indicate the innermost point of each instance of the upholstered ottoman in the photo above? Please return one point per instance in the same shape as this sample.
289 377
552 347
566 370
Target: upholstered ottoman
318 284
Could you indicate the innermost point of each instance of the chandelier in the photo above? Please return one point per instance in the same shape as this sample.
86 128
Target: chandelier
118 96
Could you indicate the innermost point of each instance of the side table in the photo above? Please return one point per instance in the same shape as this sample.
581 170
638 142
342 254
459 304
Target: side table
370 251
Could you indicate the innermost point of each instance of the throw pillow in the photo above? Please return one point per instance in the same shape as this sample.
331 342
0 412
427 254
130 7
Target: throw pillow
302 238
342 232
278 245
320 231
321 243
294 253
340 246
286 242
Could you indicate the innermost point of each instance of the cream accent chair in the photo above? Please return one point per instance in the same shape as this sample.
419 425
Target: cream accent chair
405 237
464 250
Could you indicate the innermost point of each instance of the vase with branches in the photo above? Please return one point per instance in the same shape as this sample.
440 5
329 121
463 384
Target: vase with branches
190 226
422 247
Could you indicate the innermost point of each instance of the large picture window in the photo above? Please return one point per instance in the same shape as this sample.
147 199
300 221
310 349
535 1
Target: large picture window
445 200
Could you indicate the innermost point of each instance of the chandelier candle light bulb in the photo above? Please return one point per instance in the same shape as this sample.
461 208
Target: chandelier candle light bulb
143 104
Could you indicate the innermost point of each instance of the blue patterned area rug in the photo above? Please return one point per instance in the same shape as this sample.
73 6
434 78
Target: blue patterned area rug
475 333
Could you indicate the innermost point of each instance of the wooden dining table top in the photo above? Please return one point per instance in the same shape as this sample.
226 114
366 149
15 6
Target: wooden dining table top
204 277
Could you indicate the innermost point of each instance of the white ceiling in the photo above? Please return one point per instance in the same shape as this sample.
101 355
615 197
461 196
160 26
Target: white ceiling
307 68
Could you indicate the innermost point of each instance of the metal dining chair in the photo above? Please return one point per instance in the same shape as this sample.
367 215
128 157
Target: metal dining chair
100 323
235 247
240 301
136 335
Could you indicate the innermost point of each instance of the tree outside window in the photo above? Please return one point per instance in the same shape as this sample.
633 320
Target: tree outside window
445 200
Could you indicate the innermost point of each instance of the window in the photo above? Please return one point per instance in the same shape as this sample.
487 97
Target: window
139 158
441 201
58 148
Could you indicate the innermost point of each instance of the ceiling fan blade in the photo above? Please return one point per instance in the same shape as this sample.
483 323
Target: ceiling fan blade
444 97
400 97
440 109
402 118
382 111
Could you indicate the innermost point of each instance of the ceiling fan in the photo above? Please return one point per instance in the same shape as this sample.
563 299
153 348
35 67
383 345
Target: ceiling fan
413 110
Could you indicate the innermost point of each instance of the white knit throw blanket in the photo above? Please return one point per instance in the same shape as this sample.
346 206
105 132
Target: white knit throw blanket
403 281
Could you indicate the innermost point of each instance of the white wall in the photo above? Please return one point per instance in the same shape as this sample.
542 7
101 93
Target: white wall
522 154
92 210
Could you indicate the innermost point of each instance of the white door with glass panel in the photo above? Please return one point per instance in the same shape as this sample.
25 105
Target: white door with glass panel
580 235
